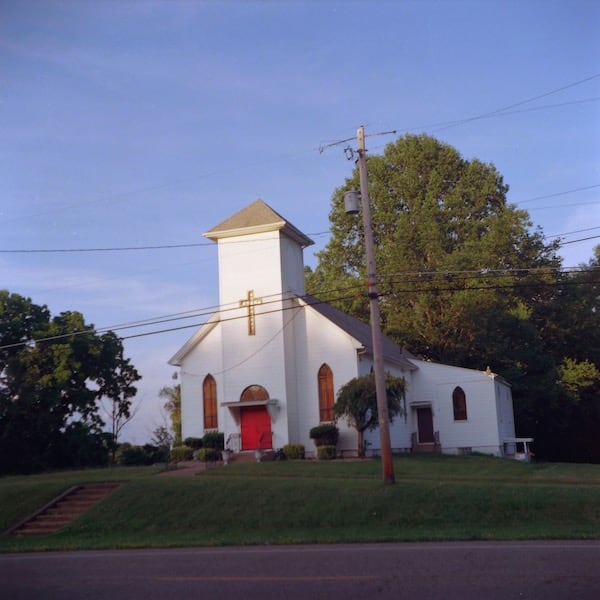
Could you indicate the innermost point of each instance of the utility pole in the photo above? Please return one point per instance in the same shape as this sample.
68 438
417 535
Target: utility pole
378 367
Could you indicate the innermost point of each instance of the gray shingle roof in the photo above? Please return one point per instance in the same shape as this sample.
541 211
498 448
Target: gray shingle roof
361 331
256 218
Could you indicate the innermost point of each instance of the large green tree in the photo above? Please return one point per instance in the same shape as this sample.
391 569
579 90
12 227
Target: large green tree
454 259
54 371
466 279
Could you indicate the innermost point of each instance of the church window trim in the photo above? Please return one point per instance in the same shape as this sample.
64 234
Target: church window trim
209 403
459 404
254 393
326 395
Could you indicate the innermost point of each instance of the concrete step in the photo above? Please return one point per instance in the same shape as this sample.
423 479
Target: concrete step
426 448
63 510
249 456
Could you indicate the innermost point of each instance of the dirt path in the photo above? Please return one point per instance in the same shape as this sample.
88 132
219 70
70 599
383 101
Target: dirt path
186 468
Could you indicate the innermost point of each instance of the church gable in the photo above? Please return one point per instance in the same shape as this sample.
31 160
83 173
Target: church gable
177 359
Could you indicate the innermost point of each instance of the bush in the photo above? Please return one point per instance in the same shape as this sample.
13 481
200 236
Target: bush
326 452
214 439
156 454
193 442
208 454
132 456
179 453
293 451
324 435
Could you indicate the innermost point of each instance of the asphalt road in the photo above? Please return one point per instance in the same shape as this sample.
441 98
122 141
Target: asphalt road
487 570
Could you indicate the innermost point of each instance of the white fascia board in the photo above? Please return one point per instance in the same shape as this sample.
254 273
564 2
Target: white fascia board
180 355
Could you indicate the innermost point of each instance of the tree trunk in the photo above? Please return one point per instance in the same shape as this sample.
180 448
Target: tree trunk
361 443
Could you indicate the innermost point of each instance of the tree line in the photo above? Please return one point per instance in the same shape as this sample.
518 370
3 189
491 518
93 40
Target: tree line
465 279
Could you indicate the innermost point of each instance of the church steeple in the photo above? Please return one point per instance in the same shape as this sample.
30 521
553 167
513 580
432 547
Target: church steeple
260 253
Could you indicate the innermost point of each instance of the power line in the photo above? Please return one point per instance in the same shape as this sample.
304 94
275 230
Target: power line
315 234
579 189
402 277
448 124
571 232
551 92
143 322
130 248
110 249
570 205
408 290
499 112
503 111
585 239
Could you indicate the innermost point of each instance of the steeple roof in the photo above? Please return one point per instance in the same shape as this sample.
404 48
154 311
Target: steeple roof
257 217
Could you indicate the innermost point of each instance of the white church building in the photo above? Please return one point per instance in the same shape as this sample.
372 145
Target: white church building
266 367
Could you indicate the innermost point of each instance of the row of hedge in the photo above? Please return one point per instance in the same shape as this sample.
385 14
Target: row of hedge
129 455
297 452
211 439
181 453
289 452
325 438
209 447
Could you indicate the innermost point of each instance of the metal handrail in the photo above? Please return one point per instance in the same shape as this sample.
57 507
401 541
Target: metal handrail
235 446
262 436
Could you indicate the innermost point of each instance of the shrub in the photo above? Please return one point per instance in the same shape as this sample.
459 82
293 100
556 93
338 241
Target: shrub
129 455
293 451
326 452
156 454
324 435
214 439
208 454
193 442
179 453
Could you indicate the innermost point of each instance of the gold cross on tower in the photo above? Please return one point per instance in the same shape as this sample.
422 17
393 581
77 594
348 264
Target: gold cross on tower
251 302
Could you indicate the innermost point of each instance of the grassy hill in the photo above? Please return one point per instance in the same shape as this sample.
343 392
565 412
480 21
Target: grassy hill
435 498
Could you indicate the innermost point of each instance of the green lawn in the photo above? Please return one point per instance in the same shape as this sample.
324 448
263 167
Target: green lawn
435 498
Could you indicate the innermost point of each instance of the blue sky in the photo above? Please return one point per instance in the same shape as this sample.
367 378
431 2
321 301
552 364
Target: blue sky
147 123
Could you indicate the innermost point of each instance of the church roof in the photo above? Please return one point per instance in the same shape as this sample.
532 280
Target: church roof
361 332
257 217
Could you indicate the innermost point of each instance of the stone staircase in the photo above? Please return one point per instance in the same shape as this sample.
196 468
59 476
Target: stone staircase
63 509
248 456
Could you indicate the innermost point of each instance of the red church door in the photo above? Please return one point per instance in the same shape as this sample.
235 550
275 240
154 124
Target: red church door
256 428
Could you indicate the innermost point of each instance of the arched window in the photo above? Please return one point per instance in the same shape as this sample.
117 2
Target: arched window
254 392
459 404
325 394
209 397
